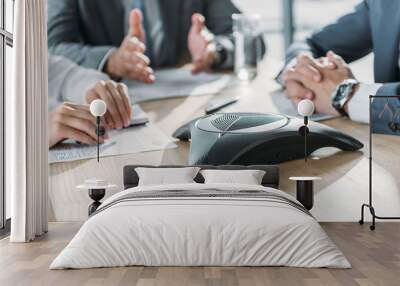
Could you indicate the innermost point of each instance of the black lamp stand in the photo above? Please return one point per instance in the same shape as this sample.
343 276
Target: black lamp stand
303 131
100 131
305 185
370 205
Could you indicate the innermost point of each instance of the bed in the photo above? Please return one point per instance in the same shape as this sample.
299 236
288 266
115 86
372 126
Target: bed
201 224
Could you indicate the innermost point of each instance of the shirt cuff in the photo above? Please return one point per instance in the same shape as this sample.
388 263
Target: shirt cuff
104 60
359 103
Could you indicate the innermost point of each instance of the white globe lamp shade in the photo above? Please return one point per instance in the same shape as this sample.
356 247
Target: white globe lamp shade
306 108
98 108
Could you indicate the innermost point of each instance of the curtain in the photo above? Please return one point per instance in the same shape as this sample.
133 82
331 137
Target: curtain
26 115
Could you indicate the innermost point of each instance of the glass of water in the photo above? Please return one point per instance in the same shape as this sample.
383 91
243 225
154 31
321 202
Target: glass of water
247 33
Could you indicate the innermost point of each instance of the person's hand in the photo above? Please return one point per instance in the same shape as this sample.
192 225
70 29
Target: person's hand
333 74
296 91
115 95
73 121
306 67
202 50
129 60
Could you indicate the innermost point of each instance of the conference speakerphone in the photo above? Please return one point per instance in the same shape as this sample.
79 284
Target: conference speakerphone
254 138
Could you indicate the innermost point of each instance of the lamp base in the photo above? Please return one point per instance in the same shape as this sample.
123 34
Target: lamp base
96 195
96 189
305 190
305 193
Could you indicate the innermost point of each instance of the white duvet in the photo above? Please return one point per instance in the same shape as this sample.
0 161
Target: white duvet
200 231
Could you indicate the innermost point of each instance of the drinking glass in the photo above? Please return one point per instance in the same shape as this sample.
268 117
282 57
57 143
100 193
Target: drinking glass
248 44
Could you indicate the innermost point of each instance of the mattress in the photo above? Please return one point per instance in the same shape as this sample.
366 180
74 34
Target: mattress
201 225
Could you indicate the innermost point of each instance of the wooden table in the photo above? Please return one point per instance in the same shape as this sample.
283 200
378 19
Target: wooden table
338 196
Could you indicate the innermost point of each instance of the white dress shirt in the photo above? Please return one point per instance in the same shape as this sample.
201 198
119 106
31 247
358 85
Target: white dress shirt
359 103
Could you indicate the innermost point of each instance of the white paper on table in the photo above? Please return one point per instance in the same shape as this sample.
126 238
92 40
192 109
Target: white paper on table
178 82
138 117
126 141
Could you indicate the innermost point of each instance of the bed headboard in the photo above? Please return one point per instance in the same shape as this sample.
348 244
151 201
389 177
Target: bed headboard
271 178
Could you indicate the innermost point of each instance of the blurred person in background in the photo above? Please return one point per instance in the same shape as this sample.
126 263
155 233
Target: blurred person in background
127 38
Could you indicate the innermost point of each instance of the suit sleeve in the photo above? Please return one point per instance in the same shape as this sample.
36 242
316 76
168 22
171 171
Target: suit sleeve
218 14
65 81
350 37
65 38
384 110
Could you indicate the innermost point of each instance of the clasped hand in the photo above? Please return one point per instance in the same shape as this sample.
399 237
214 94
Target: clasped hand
316 79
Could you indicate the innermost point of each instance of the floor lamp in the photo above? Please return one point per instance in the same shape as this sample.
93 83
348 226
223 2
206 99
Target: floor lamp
97 187
370 205
305 185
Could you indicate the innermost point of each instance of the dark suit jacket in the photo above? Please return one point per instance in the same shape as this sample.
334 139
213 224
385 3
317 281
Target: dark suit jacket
374 26
86 30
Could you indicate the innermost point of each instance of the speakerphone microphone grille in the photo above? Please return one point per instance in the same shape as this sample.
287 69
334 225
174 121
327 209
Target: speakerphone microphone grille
224 121
253 121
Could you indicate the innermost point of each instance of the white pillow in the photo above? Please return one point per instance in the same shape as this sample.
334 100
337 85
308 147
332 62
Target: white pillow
166 176
244 177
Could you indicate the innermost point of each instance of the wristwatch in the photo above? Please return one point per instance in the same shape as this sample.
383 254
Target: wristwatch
342 94
220 55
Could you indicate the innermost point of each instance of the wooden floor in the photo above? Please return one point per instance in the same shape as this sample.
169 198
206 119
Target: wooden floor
375 257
